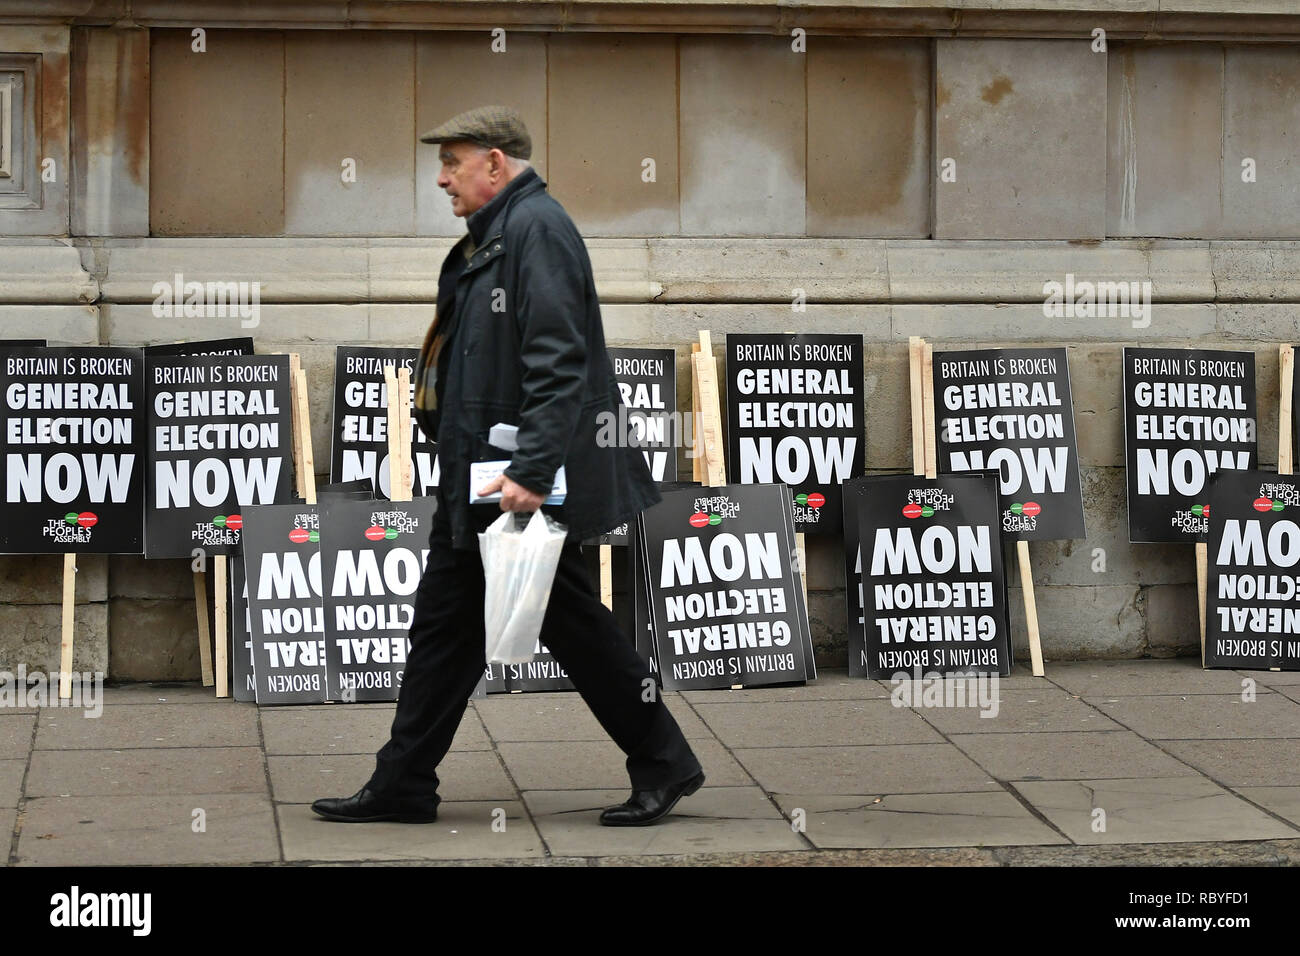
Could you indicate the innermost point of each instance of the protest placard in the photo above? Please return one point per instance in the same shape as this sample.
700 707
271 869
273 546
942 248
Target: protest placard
1187 414
71 459
934 595
795 415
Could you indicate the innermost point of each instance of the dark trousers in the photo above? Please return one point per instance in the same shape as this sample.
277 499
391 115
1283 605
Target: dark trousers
446 660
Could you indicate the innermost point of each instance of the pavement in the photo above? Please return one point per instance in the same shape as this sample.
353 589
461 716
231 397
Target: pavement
1143 762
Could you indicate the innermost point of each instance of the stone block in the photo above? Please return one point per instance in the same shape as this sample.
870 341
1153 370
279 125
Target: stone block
1261 120
364 114
132 576
1029 149
721 270
868 169
611 105
38 578
1077 622
1173 619
1164 129
57 324
154 640
216 134
743 130
31 634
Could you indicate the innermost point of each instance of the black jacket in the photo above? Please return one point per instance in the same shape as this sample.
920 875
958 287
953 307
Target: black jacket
523 344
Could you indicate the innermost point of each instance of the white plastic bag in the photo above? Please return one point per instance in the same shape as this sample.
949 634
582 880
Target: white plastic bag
518 568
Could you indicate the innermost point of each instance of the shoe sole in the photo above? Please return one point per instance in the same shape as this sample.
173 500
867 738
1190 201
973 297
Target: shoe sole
379 818
667 810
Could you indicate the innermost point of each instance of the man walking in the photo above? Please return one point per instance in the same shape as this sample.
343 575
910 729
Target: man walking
517 338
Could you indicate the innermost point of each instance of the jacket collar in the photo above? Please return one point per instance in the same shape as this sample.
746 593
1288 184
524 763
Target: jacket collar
482 222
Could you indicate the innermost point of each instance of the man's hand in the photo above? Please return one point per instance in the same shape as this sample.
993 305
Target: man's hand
514 496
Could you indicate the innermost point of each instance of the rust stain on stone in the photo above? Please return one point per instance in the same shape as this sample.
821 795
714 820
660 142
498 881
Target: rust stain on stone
133 63
892 150
941 95
995 91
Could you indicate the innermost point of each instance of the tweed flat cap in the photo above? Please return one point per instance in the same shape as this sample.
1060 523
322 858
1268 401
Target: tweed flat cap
496 127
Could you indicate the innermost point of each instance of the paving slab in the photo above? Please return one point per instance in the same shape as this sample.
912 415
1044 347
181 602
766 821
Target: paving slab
1069 755
16 735
815 723
1008 711
600 765
168 692
144 830
1177 675
1165 810
831 685
463 775
1242 763
561 717
463 831
150 726
11 783
903 768
174 770
1287 679
1203 717
349 729
712 820
1284 801
918 820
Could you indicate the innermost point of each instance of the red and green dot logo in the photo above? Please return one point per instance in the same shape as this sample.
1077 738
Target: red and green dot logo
234 522
813 500
1266 504
700 519
87 519
1201 511
375 533
913 510
1030 509
302 536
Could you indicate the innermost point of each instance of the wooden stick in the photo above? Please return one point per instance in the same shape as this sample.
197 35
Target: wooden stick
915 355
697 429
1202 586
927 406
607 576
1031 607
302 428
221 598
399 445
408 465
69 620
1285 451
714 466
294 365
201 611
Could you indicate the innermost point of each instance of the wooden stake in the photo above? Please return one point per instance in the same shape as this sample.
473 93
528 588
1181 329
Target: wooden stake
927 405
1285 451
800 547
1202 586
69 620
399 434
294 366
221 599
1031 608
706 377
306 464
915 356
205 639
607 576
697 427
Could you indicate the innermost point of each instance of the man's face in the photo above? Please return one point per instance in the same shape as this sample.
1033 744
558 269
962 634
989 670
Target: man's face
470 174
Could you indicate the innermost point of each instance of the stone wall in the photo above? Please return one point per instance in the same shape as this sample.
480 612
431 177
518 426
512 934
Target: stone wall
773 171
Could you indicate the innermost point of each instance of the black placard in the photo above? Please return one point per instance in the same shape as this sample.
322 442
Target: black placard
281 546
1010 410
373 555
795 415
220 441
241 645
647 383
854 593
359 448
1252 611
236 346
723 588
1187 414
934 582
71 450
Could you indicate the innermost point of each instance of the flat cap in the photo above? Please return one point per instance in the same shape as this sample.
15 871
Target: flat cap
496 127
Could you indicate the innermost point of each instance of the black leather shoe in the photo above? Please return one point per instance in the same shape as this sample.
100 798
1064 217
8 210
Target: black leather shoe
647 806
365 806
